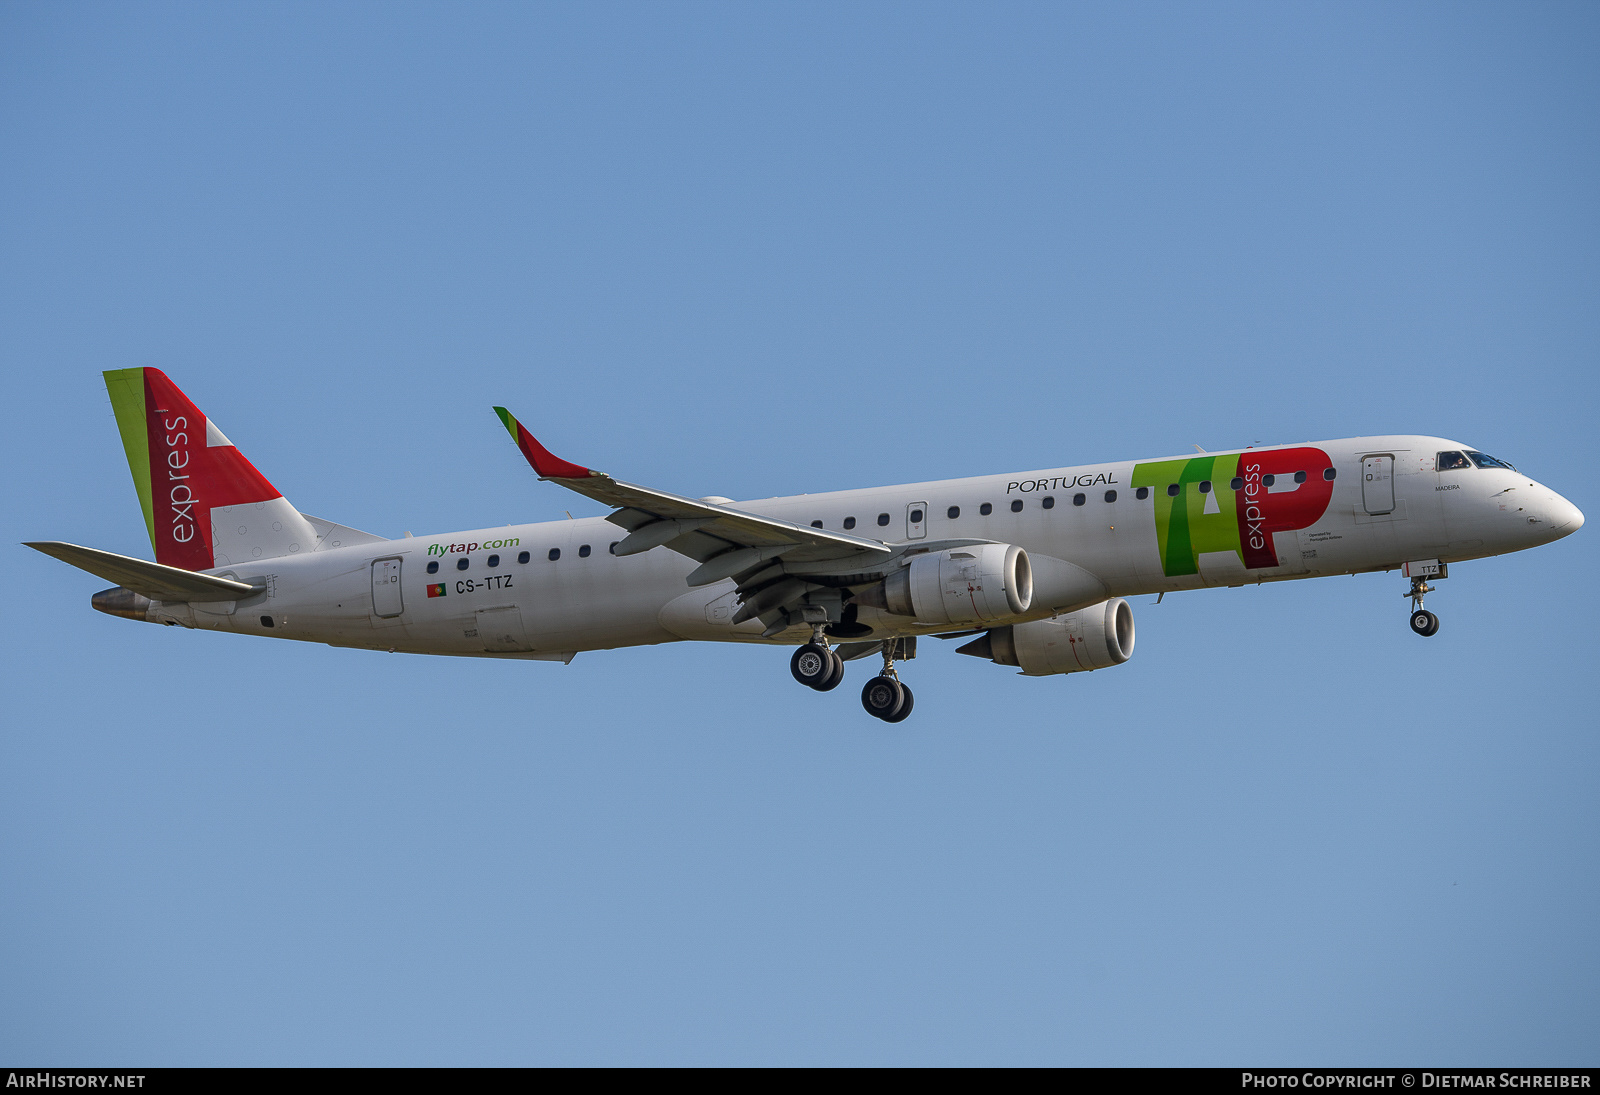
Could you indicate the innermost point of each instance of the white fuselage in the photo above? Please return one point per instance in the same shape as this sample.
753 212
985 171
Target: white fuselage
377 595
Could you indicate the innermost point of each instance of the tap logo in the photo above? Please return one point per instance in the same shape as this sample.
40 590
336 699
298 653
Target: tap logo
1234 502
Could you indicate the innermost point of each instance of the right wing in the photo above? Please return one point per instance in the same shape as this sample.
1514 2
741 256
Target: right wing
724 540
776 565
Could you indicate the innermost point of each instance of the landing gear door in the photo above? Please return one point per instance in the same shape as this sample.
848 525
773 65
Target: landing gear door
1377 483
916 521
386 600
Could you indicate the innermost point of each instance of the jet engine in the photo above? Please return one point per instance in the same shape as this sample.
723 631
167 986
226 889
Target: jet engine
965 585
1090 638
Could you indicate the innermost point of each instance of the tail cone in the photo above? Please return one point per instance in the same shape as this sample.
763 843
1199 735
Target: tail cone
121 602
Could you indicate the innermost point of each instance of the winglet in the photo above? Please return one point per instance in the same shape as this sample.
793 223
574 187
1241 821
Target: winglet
547 465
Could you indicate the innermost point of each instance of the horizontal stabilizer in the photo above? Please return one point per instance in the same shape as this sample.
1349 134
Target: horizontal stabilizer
158 582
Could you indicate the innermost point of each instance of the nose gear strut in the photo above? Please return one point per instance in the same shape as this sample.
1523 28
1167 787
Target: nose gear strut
1423 622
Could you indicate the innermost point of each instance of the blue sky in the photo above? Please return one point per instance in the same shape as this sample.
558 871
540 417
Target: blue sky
765 249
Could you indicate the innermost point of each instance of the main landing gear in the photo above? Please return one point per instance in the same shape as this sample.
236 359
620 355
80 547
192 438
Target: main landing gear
818 666
884 696
1423 622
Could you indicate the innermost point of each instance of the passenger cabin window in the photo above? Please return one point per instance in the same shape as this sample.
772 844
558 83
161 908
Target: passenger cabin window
986 509
849 522
523 556
1237 484
461 564
1484 460
916 517
555 553
1111 496
1451 461
1016 505
1205 486
953 512
1172 490
816 524
494 560
883 518
1268 479
1079 499
1329 474
583 551
1048 502
613 548
433 567
1142 493
1299 477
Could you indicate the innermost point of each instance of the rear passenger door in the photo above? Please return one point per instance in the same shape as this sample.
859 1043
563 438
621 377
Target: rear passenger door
386 601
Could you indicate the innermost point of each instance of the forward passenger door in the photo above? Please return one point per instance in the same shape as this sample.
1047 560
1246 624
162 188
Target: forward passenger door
1377 484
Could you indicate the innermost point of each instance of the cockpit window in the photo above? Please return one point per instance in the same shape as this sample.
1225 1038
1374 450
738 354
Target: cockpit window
1483 460
1450 461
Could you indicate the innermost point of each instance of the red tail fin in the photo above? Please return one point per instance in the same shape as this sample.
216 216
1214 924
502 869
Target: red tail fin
190 477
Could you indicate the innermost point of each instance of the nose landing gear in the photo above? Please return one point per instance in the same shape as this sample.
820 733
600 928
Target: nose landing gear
1423 622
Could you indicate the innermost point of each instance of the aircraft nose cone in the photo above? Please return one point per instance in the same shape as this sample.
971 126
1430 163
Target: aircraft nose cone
1568 518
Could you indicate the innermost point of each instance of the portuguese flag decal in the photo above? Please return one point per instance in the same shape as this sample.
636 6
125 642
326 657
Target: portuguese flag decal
436 591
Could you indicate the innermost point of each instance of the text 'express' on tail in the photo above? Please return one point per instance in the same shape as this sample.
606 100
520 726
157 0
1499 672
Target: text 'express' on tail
204 504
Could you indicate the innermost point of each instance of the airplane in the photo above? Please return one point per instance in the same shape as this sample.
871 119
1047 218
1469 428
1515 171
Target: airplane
1035 567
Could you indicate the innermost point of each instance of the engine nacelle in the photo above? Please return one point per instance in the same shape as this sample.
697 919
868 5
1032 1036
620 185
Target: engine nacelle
1090 638
978 584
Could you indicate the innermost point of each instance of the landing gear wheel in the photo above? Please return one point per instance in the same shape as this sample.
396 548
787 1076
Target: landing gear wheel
812 665
1424 623
883 697
837 678
905 708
